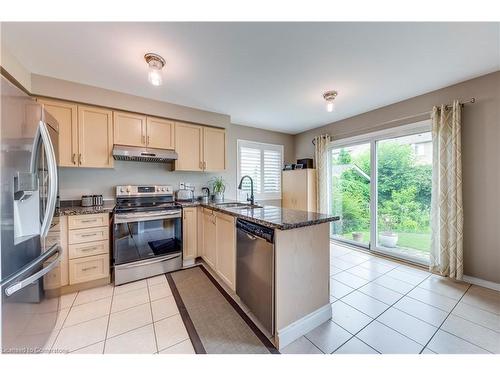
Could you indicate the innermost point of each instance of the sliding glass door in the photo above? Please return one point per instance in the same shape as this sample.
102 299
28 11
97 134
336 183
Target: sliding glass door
350 193
381 189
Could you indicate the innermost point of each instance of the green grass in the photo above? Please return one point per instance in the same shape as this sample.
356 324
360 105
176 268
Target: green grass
417 241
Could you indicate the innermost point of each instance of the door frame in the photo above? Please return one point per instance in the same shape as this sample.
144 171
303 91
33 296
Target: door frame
372 138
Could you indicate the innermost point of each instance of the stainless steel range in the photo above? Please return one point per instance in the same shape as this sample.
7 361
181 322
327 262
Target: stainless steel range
147 232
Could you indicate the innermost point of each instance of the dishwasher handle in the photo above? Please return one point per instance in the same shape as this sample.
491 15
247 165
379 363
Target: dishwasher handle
255 231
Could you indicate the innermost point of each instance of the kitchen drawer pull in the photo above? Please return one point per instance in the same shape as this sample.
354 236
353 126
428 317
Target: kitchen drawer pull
149 140
90 248
73 158
89 221
89 268
88 235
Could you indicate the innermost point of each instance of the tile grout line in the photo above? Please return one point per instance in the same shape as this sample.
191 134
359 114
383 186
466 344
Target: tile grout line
109 319
444 320
64 321
152 316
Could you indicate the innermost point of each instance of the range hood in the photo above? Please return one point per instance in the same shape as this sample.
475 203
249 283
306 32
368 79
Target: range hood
152 155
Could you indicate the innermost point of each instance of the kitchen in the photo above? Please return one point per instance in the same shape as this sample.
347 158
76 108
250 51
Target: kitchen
114 237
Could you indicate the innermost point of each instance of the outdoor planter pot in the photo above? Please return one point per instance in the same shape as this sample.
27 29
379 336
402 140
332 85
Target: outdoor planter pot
388 239
357 236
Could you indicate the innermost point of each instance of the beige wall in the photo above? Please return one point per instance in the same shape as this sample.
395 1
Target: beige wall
14 67
480 157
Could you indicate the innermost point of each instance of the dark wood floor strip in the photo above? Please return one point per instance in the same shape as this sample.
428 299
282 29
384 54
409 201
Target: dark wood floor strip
193 335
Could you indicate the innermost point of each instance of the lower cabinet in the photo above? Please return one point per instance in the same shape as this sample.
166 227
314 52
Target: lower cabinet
189 233
219 245
225 239
209 238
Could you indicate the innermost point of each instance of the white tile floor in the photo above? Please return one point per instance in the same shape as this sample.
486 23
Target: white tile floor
378 306
139 317
383 306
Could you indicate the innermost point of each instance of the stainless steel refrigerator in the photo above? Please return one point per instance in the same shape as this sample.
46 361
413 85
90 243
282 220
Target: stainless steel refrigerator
29 188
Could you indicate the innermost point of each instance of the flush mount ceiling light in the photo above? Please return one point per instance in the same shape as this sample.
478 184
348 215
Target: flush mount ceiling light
330 96
156 64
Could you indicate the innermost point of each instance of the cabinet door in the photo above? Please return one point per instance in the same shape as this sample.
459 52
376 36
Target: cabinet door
95 137
226 249
66 115
214 149
160 133
209 244
189 233
129 128
189 148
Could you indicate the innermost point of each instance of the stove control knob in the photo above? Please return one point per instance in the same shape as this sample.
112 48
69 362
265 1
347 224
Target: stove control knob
121 190
162 189
128 189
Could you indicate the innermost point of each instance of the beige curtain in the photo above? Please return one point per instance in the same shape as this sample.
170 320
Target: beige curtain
447 210
321 156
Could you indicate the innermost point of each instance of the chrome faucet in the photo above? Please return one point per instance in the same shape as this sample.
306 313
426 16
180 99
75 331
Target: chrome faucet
251 199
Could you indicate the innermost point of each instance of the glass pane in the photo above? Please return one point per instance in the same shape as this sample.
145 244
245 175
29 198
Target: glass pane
404 182
350 193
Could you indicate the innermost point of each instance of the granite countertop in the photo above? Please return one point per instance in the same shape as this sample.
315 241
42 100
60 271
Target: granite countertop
68 209
269 216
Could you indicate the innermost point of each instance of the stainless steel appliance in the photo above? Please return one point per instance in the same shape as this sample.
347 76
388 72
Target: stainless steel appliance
152 155
28 201
147 232
185 195
255 270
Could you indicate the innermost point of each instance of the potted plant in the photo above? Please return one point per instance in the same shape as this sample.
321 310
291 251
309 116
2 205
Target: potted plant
218 188
388 238
357 236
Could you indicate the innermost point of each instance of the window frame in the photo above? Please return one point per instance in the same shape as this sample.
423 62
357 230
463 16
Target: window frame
261 146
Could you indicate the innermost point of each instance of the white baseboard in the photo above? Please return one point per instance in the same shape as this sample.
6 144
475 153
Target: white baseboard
302 326
481 282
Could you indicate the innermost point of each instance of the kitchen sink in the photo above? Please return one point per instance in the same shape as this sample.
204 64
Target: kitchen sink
237 205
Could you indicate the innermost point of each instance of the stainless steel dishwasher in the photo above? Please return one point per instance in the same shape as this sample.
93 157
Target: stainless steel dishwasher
255 270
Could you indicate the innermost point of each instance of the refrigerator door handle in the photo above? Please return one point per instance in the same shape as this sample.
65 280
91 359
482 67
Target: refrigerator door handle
52 170
55 249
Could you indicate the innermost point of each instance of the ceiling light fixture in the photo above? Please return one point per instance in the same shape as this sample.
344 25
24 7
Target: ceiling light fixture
330 96
156 64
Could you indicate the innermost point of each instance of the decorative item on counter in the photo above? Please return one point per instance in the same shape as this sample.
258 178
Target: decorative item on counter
206 194
87 200
218 188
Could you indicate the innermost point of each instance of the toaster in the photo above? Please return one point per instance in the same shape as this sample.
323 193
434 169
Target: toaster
184 195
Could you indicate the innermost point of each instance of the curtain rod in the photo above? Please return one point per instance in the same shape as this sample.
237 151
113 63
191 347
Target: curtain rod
470 101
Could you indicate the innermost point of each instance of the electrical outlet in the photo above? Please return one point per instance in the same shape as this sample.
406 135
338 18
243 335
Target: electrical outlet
182 185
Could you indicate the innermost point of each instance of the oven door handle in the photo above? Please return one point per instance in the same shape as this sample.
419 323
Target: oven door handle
148 262
131 219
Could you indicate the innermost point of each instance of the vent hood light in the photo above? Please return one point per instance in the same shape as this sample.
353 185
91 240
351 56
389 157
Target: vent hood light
156 64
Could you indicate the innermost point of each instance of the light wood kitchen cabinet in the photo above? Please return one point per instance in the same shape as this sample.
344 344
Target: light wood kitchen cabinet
66 115
189 233
160 133
88 268
225 240
189 147
95 137
209 238
129 129
299 189
214 149
200 148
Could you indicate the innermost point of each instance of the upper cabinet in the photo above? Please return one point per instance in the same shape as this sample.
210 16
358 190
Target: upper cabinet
200 148
144 131
95 137
66 115
130 129
214 149
189 147
85 134
160 133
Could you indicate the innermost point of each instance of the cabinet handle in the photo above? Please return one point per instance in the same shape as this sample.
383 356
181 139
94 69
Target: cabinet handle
204 165
80 159
89 221
201 165
73 158
89 235
89 268
149 140
144 139
90 248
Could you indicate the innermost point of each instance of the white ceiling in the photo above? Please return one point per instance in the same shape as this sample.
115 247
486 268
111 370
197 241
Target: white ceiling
267 75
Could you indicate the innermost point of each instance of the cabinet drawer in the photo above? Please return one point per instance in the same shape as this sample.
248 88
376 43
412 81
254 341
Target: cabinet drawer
88 248
88 268
88 221
88 235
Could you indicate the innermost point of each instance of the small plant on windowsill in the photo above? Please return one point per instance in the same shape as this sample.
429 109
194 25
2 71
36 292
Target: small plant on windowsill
218 187
388 237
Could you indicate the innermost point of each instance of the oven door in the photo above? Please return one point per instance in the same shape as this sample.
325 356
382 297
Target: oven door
141 237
